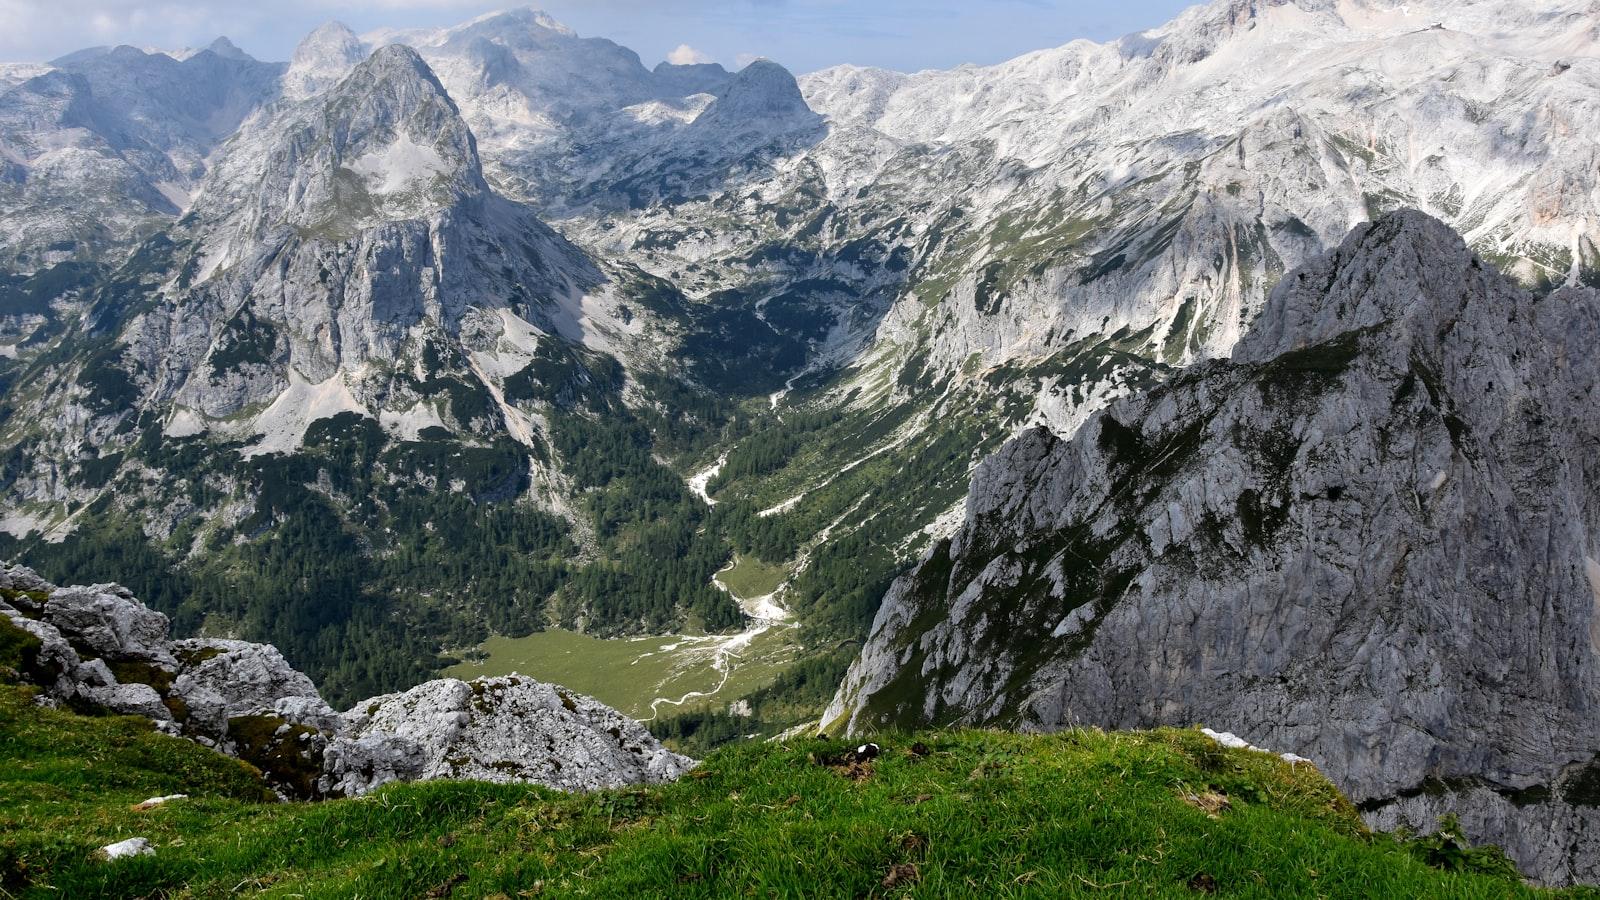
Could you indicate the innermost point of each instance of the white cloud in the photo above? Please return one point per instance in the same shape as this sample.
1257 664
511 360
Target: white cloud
745 59
686 55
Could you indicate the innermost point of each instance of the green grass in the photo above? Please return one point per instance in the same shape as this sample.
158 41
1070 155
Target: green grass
629 674
969 814
750 577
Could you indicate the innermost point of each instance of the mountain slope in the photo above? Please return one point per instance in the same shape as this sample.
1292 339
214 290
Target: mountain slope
105 145
361 402
1356 540
1020 244
346 358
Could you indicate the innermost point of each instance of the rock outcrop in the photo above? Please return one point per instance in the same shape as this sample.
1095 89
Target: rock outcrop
495 729
1370 539
100 648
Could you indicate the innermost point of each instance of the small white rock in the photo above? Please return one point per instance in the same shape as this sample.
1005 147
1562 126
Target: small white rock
129 847
154 802
1227 739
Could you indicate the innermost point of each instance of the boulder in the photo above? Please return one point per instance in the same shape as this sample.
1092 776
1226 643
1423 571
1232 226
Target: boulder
495 729
131 847
98 645
129 700
220 680
105 620
55 665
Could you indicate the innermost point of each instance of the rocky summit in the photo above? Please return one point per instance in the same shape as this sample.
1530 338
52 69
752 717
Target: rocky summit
100 649
1354 541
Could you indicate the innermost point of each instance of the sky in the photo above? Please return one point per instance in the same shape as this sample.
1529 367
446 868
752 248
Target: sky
804 35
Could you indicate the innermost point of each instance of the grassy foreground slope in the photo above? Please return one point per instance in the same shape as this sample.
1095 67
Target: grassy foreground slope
956 814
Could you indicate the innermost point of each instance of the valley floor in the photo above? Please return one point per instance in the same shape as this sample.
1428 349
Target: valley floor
952 814
651 677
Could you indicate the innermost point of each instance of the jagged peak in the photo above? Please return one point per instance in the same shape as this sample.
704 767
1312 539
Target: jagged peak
331 38
386 143
1406 267
398 60
227 49
761 93
691 78
521 15
322 58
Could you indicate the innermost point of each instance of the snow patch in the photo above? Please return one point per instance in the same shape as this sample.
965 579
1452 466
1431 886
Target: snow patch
282 426
397 167
176 194
1232 741
409 425
699 480
20 524
184 422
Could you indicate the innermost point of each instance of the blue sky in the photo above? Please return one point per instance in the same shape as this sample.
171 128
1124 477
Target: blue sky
802 34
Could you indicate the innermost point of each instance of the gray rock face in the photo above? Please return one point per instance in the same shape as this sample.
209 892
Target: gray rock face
1369 539
246 700
224 679
335 243
104 144
495 729
107 621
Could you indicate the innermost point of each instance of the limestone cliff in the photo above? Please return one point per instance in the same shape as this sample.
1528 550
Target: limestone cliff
1370 539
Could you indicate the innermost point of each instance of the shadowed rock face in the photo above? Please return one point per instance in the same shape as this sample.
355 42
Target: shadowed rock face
100 647
1358 540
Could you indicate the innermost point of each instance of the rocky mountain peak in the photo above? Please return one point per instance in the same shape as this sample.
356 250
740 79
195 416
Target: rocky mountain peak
325 56
763 95
530 17
1352 541
226 49
692 78
1408 270
385 144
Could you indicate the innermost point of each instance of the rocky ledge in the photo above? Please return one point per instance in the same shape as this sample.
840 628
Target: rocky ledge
99 649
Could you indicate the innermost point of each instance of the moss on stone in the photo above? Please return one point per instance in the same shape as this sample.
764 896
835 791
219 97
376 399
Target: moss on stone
288 762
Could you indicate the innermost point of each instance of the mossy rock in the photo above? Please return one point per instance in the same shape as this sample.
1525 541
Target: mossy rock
289 763
19 652
194 657
29 603
140 672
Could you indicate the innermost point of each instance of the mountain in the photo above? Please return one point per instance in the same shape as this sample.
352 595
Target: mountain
481 330
958 255
348 343
1354 540
100 147
322 60
351 230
